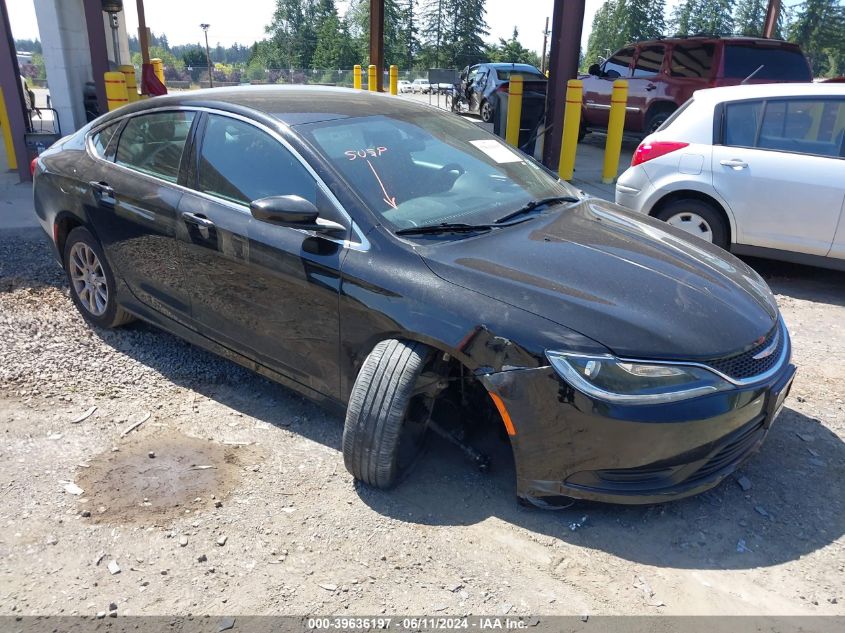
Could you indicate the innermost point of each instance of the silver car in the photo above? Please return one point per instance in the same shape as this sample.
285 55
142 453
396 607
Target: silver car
756 169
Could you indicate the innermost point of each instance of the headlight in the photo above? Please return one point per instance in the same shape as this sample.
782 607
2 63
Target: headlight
608 378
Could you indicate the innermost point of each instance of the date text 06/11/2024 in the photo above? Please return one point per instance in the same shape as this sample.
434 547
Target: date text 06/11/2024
416 623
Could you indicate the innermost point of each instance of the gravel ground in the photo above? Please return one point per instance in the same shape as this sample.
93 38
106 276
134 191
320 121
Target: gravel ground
209 490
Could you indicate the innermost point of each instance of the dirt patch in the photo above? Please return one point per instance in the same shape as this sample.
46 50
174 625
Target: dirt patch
160 477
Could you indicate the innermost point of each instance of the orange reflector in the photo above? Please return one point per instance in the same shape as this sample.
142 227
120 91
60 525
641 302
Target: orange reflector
506 417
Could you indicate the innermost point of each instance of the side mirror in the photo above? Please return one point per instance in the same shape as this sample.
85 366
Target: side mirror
294 212
595 69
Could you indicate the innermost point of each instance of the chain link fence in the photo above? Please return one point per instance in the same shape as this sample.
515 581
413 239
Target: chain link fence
194 77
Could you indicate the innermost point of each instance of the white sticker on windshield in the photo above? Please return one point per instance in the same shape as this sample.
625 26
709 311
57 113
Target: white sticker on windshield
497 151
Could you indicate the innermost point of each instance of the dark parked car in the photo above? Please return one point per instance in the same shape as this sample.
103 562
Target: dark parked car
402 264
482 85
662 75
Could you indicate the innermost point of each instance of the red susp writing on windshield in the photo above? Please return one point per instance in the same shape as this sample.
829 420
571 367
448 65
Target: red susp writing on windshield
369 152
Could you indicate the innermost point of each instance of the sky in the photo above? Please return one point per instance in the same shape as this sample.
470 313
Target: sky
180 19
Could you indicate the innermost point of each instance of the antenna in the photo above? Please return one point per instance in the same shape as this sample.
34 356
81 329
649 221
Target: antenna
747 79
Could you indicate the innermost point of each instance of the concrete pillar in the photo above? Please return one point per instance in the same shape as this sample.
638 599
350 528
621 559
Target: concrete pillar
67 57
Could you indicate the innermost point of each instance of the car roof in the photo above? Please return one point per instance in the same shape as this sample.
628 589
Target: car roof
692 39
765 91
291 104
506 66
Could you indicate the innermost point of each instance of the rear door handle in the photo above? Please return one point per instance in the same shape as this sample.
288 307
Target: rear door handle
199 220
102 188
650 87
734 163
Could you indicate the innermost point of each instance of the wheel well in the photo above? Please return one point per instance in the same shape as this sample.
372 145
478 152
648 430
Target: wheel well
64 224
696 195
660 106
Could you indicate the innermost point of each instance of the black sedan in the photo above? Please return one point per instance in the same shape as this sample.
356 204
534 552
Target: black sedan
398 262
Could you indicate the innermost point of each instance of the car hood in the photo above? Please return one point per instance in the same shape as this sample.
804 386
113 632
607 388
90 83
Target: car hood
636 285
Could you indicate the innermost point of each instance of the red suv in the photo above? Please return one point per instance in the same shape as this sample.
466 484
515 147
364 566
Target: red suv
662 74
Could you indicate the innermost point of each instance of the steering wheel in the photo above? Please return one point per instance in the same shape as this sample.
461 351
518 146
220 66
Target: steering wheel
453 167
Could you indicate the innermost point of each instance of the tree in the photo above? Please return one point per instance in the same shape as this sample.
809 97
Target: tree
468 26
436 17
512 51
620 22
749 17
819 28
712 17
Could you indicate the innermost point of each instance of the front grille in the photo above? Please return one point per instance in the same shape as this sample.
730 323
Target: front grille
743 365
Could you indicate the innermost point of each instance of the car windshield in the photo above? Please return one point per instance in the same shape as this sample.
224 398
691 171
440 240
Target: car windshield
425 168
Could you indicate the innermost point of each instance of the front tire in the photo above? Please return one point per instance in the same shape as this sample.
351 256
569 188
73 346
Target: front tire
486 111
697 217
92 286
383 433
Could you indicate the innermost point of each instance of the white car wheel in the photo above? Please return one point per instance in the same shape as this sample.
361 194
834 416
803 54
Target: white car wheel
692 223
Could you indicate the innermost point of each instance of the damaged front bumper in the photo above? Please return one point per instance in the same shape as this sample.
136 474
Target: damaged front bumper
567 444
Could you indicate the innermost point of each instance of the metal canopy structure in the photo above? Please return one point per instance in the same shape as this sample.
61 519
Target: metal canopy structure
377 40
564 55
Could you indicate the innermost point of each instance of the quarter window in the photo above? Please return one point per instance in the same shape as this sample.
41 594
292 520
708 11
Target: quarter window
649 61
100 140
241 163
153 143
619 65
694 61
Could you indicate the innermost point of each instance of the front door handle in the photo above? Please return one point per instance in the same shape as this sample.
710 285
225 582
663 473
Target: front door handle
734 163
199 220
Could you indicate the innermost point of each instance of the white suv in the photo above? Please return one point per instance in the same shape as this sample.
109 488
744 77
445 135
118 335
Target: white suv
758 169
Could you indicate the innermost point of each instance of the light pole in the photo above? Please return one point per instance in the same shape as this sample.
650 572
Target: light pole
204 27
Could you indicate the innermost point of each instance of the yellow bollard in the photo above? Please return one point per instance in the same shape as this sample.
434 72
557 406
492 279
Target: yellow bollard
394 80
514 110
356 77
11 158
158 69
615 125
372 85
131 85
571 127
115 90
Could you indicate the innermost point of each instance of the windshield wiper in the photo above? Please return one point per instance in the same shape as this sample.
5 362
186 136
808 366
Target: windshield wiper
445 227
530 206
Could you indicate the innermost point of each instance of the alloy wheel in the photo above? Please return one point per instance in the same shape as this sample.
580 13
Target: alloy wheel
88 279
692 223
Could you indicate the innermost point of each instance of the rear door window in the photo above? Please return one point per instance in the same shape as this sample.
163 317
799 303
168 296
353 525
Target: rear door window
649 61
740 123
815 126
240 163
619 65
778 64
153 143
693 61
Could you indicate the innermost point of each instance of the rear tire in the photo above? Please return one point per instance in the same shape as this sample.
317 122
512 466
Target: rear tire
377 418
696 217
92 286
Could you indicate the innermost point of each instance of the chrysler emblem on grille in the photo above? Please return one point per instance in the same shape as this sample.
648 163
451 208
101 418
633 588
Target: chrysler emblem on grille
769 350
